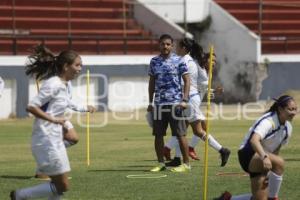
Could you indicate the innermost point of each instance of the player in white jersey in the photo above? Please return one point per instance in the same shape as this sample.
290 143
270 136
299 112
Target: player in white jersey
191 53
49 107
1 86
70 136
259 151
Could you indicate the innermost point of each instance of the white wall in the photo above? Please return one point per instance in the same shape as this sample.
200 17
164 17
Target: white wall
127 94
8 99
236 47
197 10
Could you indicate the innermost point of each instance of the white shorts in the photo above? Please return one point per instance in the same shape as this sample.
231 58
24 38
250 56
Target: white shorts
51 159
193 112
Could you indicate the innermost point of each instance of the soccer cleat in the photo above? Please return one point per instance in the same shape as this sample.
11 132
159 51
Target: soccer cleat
167 153
182 168
174 163
158 168
12 195
225 196
225 153
193 154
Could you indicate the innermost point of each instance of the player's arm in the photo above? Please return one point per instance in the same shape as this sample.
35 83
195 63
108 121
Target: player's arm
258 148
39 113
186 86
151 88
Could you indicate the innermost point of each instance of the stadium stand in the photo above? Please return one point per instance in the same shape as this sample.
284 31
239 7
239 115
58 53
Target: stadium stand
87 26
276 21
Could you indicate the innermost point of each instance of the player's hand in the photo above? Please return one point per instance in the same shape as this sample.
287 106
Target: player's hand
183 105
150 108
267 165
60 121
219 90
91 109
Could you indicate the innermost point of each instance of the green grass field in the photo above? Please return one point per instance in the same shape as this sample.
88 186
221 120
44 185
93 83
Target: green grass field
126 148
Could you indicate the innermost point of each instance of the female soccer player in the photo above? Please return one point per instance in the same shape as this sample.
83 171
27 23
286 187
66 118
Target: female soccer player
70 136
192 54
49 107
259 151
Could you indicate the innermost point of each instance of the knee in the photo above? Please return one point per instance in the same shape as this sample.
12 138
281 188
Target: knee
278 166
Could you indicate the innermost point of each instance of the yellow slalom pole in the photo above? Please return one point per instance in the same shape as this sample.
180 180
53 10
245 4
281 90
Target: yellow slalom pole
211 52
88 118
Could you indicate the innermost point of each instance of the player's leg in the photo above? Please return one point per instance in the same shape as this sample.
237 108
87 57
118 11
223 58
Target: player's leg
160 125
70 135
275 176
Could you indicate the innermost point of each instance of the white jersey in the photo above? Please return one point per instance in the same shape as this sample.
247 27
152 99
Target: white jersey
54 100
198 77
1 86
272 133
72 104
47 144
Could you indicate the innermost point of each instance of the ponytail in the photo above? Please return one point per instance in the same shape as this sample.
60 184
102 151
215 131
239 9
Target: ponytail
195 50
43 64
282 102
197 53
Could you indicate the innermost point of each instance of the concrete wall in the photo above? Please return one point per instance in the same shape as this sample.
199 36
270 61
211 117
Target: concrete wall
117 87
281 77
157 24
173 10
238 52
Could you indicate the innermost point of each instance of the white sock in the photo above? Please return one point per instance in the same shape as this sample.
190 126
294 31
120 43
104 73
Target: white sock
38 191
172 142
68 143
274 184
177 150
194 141
242 197
213 142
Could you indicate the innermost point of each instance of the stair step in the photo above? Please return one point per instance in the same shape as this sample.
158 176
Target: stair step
273 24
73 3
267 14
95 32
290 46
62 23
279 33
58 12
87 46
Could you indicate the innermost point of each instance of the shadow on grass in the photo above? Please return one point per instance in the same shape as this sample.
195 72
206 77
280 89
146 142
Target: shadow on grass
292 159
16 177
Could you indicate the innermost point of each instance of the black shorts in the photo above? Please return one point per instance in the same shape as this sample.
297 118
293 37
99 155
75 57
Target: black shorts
245 158
165 115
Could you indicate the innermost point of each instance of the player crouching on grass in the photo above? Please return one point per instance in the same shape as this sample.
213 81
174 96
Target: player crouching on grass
259 152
